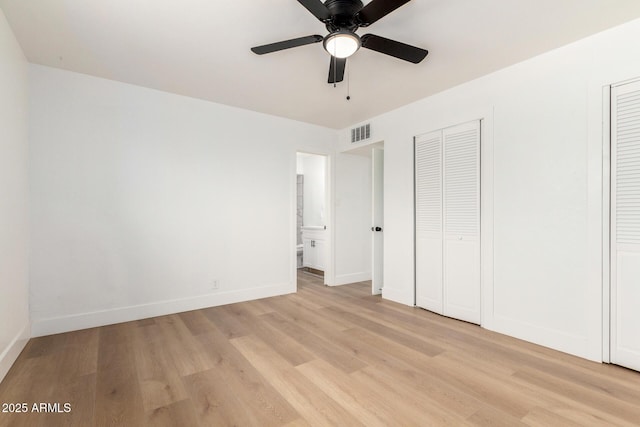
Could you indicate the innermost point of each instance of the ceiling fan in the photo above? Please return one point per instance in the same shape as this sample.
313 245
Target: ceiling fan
342 19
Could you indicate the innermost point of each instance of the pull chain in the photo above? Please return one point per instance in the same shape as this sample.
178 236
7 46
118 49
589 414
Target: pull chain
335 66
348 83
335 72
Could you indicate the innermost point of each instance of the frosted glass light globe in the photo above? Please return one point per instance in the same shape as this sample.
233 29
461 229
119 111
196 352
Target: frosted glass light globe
342 44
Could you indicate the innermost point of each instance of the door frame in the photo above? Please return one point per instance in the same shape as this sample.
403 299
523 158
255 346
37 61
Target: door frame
482 320
606 224
329 274
486 118
379 147
366 150
607 283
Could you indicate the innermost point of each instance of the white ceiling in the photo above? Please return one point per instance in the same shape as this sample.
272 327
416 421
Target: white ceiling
200 48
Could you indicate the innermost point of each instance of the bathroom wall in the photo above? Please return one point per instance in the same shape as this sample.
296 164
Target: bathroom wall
299 207
313 167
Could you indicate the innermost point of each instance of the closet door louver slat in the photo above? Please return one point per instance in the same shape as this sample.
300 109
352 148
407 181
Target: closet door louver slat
625 225
428 211
627 164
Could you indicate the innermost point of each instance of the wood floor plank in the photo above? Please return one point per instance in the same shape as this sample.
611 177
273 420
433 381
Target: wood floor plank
317 408
602 402
181 413
159 381
35 383
35 378
298 423
227 322
196 322
46 345
259 397
302 315
318 345
80 394
81 354
587 417
364 393
489 416
214 404
118 398
416 410
499 393
282 343
186 351
359 405
387 332
258 307
390 347
541 417
454 400
301 300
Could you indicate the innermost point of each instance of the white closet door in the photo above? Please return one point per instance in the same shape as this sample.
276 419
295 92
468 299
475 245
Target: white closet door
461 194
625 226
428 199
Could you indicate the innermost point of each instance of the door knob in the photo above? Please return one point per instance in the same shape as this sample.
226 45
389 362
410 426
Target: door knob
378 228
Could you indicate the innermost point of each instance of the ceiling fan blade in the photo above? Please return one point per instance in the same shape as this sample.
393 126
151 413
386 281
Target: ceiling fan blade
378 9
287 44
336 69
317 8
394 48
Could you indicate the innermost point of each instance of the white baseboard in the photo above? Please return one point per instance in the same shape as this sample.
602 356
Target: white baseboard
345 279
11 353
551 338
399 296
74 322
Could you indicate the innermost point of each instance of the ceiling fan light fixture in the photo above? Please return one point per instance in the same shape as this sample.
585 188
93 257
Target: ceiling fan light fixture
342 44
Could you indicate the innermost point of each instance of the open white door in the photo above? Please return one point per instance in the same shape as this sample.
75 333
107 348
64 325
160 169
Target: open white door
625 225
377 155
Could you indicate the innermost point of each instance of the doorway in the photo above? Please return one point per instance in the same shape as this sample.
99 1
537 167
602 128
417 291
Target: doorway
375 152
312 215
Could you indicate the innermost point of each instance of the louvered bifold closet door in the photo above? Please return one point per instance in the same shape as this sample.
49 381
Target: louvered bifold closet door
428 200
625 225
461 195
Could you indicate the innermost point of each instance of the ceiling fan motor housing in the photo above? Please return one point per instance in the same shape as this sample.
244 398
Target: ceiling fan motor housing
343 14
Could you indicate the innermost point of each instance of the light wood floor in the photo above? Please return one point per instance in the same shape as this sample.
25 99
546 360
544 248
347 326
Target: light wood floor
323 356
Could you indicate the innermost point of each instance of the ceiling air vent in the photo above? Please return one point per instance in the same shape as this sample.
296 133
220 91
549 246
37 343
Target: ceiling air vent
361 133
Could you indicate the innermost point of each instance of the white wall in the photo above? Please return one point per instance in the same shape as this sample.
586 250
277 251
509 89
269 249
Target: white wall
542 188
313 167
140 199
14 290
352 218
